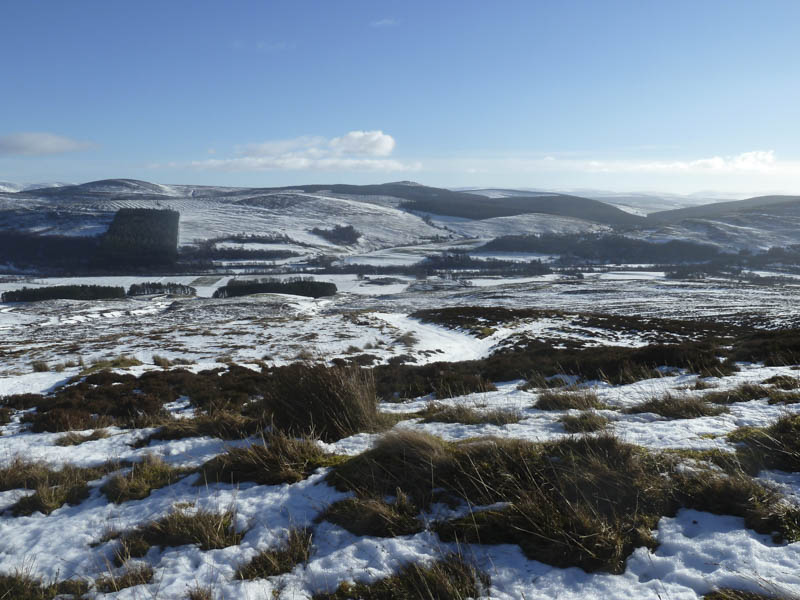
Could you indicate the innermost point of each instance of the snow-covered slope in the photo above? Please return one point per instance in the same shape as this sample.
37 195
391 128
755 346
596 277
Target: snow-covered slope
381 214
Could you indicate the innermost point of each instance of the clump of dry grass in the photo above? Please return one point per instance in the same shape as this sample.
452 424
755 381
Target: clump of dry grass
460 413
119 362
782 392
583 501
566 400
451 384
199 592
774 447
221 424
403 459
537 381
375 516
23 586
152 473
161 361
208 530
131 576
783 397
586 422
678 407
73 438
741 393
783 382
5 415
47 498
732 594
279 459
26 474
295 550
701 384
329 402
450 578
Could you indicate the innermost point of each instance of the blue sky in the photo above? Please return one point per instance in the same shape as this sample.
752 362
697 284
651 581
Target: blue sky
636 95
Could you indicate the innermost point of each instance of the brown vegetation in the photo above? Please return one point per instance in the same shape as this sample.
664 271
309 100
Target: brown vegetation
295 550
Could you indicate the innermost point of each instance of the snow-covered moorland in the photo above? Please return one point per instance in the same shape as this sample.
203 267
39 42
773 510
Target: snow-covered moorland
196 448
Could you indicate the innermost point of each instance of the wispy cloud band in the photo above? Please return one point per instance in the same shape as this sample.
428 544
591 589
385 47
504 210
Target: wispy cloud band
39 143
762 162
355 151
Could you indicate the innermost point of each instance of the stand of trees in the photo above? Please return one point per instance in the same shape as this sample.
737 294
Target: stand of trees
207 250
57 251
298 286
142 236
64 292
461 261
599 248
136 237
342 235
150 287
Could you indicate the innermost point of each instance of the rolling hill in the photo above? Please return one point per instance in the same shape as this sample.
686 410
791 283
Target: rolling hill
722 209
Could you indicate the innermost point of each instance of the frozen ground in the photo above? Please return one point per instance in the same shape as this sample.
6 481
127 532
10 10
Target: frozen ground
697 552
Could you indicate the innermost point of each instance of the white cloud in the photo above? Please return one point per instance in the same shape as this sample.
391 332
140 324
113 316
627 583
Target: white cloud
39 143
760 161
356 151
302 144
297 163
757 162
384 23
370 143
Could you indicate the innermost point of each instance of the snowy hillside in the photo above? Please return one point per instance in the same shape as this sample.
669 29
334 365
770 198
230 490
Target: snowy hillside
391 215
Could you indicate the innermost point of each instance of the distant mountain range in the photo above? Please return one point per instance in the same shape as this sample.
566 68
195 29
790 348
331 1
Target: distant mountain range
397 213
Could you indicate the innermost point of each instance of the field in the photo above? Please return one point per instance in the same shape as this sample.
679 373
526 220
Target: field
137 502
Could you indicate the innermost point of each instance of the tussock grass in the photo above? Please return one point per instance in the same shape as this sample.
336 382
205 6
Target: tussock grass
701 384
375 516
450 578
460 413
221 424
48 498
120 362
727 461
40 366
586 422
774 447
565 400
328 402
678 407
25 474
295 550
451 384
161 361
780 393
781 397
741 393
731 594
23 586
580 501
74 439
129 577
200 593
763 508
783 382
5 415
402 460
537 381
207 530
279 459
144 477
